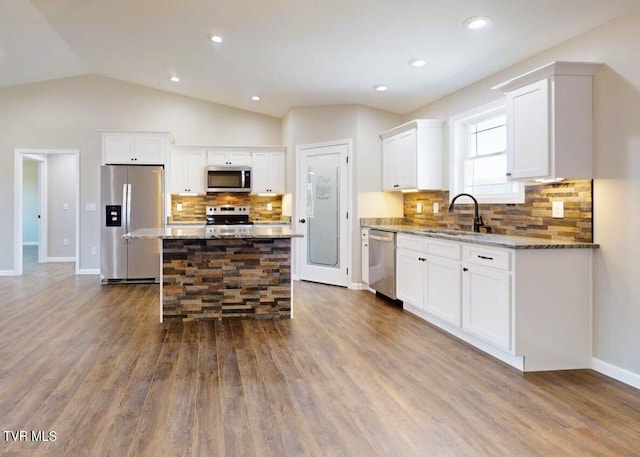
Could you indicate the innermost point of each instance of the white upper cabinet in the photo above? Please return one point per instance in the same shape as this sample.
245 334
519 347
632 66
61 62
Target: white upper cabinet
187 171
134 148
230 158
550 122
412 156
268 173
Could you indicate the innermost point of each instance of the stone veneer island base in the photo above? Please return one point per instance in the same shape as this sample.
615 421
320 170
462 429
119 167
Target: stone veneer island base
217 273
226 278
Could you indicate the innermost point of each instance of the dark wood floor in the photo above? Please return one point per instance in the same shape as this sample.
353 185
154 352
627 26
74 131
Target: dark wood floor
349 376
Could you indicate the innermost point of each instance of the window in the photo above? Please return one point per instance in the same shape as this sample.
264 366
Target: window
479 156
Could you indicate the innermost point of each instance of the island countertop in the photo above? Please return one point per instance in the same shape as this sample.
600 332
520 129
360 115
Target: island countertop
205 232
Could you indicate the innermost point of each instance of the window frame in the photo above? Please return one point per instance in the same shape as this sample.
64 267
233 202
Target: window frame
457 160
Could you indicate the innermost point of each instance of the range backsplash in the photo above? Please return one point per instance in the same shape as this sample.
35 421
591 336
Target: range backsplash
531 218
193 207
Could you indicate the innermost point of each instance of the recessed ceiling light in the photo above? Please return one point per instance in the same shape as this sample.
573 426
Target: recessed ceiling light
477 22
380 88
417 63
175 79
215 38
255 98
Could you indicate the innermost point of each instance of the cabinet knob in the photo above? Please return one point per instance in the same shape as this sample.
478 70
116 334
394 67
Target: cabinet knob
302 221
465 269
508 173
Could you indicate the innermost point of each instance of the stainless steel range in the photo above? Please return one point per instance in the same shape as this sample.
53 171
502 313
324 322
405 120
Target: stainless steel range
227 215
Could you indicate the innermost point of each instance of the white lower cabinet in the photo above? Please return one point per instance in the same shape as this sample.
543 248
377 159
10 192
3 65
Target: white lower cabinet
486 304
531 308
442 288
410 277
426 281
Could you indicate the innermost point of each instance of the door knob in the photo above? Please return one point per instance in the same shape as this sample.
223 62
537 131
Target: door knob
302 221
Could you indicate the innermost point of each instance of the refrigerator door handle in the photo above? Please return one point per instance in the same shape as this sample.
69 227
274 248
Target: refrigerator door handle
128 226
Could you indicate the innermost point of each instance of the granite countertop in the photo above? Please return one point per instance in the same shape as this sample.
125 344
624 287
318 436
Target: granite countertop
213 232
489 239
202 223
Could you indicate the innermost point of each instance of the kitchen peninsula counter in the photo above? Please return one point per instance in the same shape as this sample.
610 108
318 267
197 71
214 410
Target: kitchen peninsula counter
215 273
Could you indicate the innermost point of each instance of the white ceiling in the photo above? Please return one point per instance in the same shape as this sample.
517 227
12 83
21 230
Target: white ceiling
290 52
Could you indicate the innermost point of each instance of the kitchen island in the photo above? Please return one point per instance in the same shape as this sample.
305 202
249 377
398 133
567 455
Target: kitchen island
215 272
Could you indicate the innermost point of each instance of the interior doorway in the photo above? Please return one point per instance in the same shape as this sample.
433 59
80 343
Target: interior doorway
33 198
58 206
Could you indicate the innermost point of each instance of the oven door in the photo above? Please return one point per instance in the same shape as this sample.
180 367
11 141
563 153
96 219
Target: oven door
228 179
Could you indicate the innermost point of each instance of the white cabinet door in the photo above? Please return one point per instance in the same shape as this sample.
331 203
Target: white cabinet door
150 149
486 304
277 180
442 296
410 277
390 166
188 171
528 130
118 148
406 160
268 173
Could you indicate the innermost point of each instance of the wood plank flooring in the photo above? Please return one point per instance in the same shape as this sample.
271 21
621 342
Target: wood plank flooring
349 376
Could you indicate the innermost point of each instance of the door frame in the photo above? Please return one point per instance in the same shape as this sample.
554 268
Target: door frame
299 228
18 183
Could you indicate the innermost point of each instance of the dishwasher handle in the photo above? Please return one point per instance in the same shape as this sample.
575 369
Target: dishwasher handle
381 238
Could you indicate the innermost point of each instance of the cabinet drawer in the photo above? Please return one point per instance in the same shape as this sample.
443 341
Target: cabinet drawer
415 243
489 257
444 249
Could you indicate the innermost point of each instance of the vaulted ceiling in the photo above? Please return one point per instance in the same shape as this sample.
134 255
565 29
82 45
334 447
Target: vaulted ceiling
288 52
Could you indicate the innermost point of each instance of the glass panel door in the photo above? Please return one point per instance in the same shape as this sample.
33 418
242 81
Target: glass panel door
323 208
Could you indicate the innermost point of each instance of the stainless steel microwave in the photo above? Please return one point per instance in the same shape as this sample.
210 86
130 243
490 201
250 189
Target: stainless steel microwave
228 179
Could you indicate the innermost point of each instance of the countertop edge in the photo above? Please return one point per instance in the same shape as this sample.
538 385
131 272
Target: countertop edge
497 240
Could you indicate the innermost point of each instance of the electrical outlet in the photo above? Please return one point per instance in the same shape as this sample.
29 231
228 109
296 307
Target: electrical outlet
65 242
269 207
65 206
179 206
94 250
419 208
557 210
436 207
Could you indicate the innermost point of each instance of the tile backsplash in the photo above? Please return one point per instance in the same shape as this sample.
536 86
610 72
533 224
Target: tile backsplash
193 207
531 218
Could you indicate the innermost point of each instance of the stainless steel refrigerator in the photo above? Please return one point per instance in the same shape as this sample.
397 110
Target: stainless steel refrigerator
131 198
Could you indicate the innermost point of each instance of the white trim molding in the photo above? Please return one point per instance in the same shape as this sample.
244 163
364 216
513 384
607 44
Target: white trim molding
88 271
617 373
8 273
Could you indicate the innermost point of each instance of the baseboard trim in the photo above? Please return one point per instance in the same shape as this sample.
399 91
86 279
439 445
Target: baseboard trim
59 259
8 273
88 271
31 243
358 286
617 373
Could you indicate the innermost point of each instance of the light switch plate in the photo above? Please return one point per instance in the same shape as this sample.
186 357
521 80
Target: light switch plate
419 208
269 207
557 210
178 206
436 207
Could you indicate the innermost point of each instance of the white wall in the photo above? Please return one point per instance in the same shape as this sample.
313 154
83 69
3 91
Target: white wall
61 194
67 113
617 173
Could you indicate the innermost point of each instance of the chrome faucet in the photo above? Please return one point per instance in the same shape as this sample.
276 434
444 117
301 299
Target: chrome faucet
477 220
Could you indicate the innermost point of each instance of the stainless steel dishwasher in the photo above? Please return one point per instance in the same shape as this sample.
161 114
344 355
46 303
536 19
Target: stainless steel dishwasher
382 262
